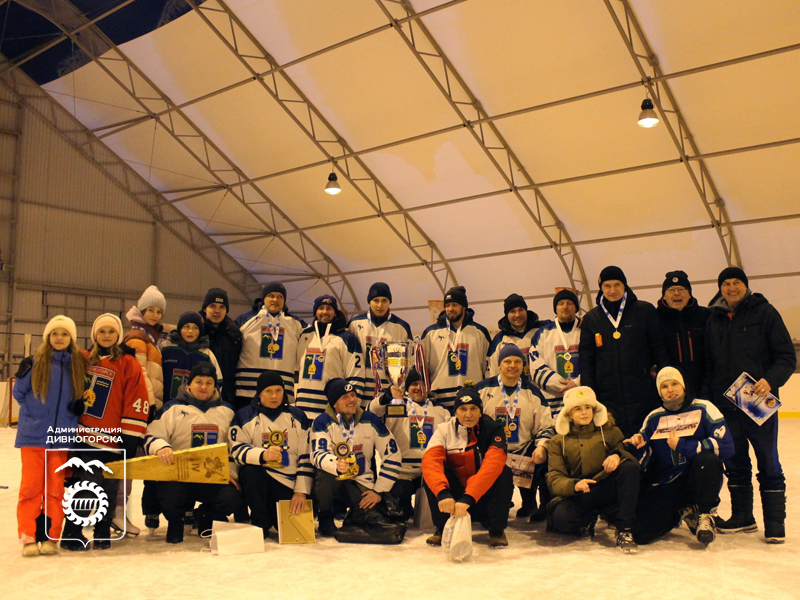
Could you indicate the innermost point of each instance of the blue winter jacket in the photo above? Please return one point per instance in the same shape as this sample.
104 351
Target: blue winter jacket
36 417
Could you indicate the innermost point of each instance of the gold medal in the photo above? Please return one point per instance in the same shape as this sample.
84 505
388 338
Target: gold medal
617 335
512 426
273 348
508 432
569 368
422 438
458 364
567 356
312 368
453 357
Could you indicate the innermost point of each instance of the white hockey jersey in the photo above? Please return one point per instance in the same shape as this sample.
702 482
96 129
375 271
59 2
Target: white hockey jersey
393 329
550 368
369 436
250 433
268 342
406 428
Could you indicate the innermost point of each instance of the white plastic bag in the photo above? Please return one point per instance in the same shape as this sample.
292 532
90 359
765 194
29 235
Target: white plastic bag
236 538
457 538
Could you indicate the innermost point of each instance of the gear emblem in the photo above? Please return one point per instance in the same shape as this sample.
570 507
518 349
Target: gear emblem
85 503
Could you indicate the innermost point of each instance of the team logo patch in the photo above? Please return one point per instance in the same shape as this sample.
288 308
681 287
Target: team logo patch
674 280
348 387
498 439
720 433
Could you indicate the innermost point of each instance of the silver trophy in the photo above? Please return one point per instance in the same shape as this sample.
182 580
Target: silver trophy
397 358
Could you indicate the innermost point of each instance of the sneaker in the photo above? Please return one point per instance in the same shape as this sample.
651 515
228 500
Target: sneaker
737 524
152 523
689 516
31 549
175 531
706 531
435 539
327 528
498 539
49 548
625 542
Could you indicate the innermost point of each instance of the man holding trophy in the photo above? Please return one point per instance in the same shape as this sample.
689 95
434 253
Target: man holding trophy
344 440
269 443
375 327
412 419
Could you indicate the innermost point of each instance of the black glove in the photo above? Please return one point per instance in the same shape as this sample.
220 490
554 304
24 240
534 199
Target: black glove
24 366
76 406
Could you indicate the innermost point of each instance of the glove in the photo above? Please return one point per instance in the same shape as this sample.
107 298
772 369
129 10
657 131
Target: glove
76 406
24 366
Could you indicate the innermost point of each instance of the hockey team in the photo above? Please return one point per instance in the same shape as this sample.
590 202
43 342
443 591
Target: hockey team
620 414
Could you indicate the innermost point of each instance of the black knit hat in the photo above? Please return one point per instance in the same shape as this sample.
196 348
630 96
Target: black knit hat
732 273
509 350
379 290
336 388
202 369
612 273
274 286
325 300
412 377
216 296
458 295
266 379
467 395
191 317
674 278
514 301
566 294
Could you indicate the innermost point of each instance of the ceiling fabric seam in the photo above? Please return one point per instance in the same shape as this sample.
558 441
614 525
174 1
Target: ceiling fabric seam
449 278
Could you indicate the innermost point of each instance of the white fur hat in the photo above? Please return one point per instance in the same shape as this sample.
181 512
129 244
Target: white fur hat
64 323
107 320
578 396
152 296
666 374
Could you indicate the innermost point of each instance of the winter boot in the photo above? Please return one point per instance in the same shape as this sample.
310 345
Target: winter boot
175 531
498 539
204 520
774 504
435 539
587 531
706 531
31 549
102 535
72 538
625 542
742 519
48 548
327 528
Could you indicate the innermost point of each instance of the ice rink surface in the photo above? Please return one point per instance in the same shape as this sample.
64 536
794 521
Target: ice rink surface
535 565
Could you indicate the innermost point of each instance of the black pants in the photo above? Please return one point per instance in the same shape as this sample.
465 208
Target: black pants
177 497
328 490
620 490
491 510
404 490
659 508
262 493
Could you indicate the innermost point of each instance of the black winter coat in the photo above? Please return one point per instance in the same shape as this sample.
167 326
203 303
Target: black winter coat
684 339
225 341
618 370
755 340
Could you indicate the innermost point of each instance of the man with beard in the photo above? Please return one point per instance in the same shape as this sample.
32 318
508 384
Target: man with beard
455 348
326 350
517 327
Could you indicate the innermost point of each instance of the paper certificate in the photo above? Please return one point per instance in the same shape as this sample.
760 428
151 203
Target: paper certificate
758 408
684 425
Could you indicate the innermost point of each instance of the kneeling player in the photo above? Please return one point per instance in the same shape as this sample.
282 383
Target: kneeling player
198 417
269 442
344 441
465 470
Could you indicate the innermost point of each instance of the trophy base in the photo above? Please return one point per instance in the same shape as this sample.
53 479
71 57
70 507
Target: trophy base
345 476
274 464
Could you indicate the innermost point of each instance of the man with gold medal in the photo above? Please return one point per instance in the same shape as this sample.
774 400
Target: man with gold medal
411 418
344 441
520 408
269 442
621 342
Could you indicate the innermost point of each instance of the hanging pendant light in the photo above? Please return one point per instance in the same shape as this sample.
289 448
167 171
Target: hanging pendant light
332 187
648 117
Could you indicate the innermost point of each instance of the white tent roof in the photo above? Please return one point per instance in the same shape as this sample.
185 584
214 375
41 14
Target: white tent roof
256 101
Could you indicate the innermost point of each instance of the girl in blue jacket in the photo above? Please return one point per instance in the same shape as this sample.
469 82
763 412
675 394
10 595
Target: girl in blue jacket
46 389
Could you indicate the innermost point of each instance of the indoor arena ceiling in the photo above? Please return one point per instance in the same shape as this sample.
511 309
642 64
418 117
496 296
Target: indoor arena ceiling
488 143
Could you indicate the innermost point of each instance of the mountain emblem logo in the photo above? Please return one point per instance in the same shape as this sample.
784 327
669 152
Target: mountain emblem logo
85 503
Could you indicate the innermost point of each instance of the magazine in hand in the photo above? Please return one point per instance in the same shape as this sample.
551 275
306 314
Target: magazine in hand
758 408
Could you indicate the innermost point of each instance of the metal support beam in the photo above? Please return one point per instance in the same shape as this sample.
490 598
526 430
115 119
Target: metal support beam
466 105
94 43
668 110
238 39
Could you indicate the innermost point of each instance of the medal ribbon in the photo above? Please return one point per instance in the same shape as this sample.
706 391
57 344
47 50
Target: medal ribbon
510 412
348 435
615 322
564 341
412 412
319 337
449 345
274 330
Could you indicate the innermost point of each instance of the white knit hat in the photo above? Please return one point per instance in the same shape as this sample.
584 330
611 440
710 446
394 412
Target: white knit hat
578 396
64 323
152 296
107 320
666 374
